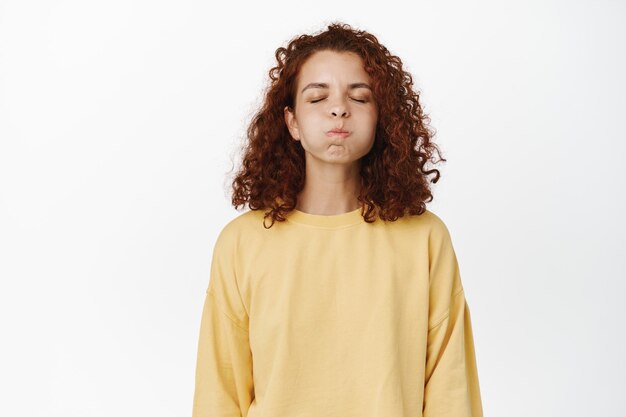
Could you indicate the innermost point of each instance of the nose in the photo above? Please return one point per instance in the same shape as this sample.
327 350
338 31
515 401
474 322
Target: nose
343 113
339 108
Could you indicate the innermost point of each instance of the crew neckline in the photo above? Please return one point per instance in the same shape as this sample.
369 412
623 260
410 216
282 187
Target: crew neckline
333 221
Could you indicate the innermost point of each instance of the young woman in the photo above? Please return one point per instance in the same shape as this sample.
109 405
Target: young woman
350 302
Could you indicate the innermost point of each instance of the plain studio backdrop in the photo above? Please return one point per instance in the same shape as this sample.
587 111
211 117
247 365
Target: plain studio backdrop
120 122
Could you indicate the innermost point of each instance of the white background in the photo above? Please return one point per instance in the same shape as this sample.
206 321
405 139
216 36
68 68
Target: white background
120 121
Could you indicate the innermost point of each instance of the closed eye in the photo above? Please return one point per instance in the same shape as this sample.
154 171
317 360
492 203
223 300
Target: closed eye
360 101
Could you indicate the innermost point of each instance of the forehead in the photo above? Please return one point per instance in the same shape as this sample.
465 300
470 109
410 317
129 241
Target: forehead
332 67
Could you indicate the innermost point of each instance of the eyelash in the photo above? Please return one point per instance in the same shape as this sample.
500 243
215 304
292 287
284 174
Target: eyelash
360 101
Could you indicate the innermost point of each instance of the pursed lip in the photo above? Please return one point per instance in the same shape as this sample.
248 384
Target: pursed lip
337 132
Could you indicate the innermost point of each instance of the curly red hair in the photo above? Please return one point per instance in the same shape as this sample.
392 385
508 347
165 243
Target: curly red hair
394 180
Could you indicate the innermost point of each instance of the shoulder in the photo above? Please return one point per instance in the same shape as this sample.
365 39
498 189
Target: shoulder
244 226
431 230
428 223
248 219
439 231
435 223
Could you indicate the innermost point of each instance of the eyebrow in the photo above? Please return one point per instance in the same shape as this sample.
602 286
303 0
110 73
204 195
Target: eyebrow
324 85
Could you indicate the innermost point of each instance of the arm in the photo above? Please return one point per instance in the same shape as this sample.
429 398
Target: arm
223 379
451 379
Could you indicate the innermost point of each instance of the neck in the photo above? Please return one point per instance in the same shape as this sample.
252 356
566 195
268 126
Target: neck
331 190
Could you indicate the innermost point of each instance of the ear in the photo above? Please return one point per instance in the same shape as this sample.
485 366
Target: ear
292 124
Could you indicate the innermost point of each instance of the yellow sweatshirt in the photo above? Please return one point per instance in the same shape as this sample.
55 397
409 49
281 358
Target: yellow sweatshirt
330 316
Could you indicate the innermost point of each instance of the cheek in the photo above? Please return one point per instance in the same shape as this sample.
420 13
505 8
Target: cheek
374 123
374 115
368 116
308 113
310 119
371 122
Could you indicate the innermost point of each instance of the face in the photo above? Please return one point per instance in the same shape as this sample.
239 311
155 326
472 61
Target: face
333 92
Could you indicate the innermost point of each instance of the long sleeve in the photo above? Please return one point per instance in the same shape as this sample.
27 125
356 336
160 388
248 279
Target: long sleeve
451 376
223 379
